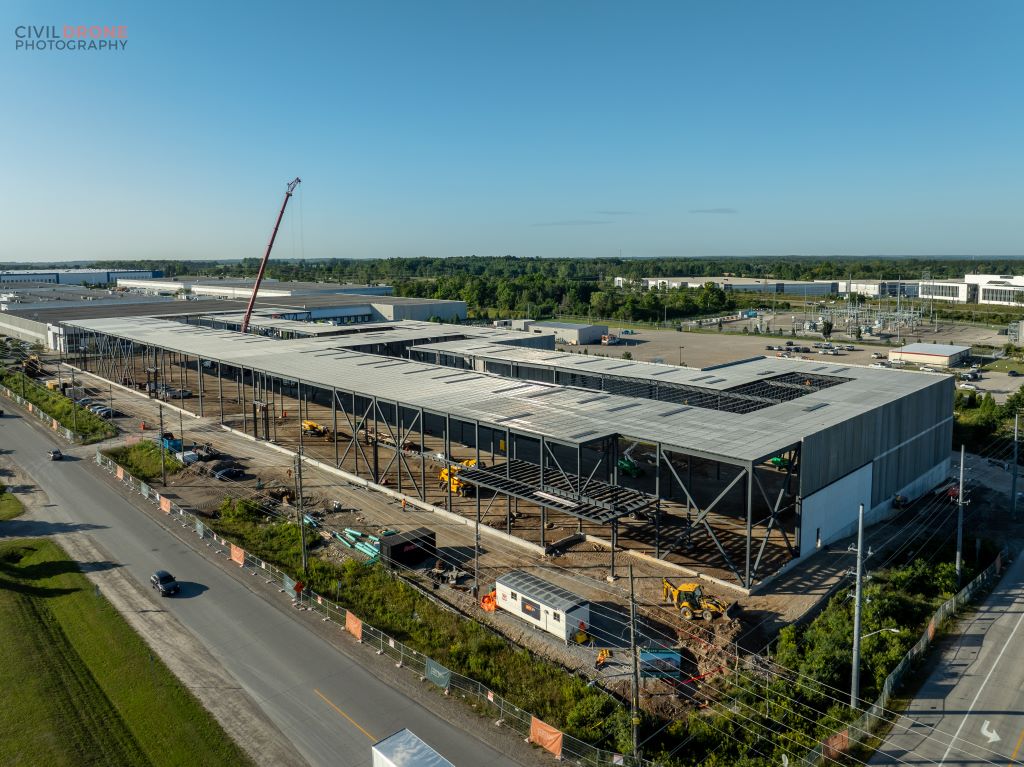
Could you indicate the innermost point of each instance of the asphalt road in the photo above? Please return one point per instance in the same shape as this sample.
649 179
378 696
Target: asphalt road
970 711
326 704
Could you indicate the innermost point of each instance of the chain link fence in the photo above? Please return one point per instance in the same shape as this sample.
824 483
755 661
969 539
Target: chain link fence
47 419
487 702
862 729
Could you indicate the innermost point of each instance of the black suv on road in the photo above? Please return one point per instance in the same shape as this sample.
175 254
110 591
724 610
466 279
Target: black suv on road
164 582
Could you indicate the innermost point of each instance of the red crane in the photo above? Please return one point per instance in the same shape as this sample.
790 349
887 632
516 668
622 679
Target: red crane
266 256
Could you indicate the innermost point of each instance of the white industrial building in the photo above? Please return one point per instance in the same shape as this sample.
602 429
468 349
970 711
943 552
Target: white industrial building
241 288
942 355
574 334
744 284
73 276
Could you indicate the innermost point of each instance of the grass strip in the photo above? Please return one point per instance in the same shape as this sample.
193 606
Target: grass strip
80 686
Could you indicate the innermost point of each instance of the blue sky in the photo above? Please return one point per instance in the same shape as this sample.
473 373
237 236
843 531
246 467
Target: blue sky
527 128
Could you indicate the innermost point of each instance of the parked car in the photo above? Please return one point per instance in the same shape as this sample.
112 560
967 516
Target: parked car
84 401
1012 373
969 387
187 457
164 583
179 394
229 473
877 355
55 455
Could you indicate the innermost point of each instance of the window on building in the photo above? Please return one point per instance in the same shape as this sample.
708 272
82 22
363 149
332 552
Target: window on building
515 595
557 617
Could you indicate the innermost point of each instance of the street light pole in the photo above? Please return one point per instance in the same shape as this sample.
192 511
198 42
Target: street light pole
298 506
1013 483
635 699
163 447
960 521
855 673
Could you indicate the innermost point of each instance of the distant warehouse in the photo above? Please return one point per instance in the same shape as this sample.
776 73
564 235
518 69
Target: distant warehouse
944 355
565 332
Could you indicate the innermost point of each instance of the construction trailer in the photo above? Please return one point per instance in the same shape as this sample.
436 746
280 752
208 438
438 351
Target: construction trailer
409 549
734 471
405 749
542 604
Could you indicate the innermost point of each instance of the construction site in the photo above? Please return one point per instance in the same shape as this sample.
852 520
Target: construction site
527 479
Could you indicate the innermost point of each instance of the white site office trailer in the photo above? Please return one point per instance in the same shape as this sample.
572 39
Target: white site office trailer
545 605
405 749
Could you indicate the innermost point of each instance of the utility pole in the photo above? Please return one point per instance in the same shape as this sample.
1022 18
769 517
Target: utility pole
1013 481
75 405
855 673
635 700
298 506
163 447
960 521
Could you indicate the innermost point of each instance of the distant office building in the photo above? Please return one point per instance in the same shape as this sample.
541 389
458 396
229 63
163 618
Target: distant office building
878 288
954 291
1005 290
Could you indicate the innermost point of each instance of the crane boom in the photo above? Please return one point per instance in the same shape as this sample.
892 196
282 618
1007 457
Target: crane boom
266 256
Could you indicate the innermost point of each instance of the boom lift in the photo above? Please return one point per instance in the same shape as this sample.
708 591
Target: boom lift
266 256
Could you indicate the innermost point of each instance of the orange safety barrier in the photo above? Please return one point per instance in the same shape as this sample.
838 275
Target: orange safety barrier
238 555
353 625
546 736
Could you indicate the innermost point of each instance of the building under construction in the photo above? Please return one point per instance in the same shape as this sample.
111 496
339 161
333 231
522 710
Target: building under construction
732 472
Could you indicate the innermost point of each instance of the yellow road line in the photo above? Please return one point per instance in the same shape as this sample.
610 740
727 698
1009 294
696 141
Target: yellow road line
353 721
1013 756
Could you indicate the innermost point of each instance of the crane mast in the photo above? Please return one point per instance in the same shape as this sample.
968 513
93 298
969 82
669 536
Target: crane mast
266 256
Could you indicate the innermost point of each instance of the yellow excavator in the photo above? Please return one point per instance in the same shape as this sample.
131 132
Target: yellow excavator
313 429
449 476
690 600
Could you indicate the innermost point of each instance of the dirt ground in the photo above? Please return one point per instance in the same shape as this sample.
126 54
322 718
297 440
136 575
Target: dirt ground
708 347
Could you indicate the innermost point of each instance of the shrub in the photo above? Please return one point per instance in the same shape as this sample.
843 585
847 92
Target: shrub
54 404
142 460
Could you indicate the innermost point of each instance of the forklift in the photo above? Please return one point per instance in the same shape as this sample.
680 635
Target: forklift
690 600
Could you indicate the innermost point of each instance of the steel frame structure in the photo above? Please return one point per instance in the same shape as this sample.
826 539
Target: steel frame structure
363 425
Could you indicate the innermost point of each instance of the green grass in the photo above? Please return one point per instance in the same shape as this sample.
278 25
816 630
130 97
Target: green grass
142 460
1006 364
79 686
68 414
10 506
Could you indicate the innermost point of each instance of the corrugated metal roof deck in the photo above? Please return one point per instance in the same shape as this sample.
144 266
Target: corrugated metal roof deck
566 411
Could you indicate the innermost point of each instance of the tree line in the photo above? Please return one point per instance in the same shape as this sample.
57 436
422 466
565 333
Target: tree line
541 287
